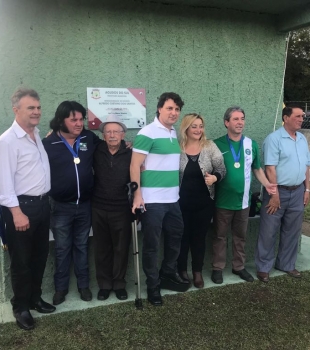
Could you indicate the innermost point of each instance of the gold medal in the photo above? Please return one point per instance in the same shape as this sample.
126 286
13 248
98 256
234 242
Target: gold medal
77 160
237 165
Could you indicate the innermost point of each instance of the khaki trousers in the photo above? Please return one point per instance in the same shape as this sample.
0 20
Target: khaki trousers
237 221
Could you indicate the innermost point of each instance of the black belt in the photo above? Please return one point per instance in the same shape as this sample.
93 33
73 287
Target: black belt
290 188
24 197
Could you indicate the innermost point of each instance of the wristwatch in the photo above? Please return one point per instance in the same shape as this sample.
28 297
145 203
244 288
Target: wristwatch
307 190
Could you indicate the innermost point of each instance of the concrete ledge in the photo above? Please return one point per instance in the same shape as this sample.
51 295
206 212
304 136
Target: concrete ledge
73 301
48 281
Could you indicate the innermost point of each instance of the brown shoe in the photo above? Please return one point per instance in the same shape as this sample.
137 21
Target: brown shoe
198 280
263 276
293 273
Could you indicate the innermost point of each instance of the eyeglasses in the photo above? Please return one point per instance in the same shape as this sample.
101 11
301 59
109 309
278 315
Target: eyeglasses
110 132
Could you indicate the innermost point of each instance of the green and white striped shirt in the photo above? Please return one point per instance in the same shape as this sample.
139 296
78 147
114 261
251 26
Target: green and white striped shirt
233 192
160 179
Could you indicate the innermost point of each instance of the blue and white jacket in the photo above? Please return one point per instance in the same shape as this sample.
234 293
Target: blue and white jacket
71 182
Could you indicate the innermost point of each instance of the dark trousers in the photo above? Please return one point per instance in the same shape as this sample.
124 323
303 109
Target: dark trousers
28 252
196 225
112 234
71 224
158 218
237 220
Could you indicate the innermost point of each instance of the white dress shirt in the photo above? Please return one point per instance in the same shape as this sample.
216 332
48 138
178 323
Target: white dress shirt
24 166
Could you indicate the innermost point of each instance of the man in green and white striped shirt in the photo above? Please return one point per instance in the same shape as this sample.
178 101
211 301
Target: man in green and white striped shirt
156 150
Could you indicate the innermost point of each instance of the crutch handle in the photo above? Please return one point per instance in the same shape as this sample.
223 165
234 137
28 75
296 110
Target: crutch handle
140 210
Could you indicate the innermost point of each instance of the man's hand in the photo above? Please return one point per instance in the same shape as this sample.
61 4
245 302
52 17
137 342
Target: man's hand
128 144
137 203
210 179
48 133
274 204
136 167
306 198
21 221
271 188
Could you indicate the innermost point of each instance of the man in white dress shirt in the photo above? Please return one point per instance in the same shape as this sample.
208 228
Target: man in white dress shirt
24 182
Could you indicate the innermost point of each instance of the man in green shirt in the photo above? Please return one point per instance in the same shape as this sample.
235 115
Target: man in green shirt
233 195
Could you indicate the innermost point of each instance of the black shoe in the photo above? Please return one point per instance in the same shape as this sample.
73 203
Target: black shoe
217 276
24 320
59 296
173 281
121 294
184 276
173 277
103 294
154 297
243 274
86 294
43 307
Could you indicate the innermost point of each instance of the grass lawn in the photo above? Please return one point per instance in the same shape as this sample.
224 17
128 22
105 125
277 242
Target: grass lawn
242 316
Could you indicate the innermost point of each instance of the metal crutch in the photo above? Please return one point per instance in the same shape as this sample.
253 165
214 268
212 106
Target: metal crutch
132 186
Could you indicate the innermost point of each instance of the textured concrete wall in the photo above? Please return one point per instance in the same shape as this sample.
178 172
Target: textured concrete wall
212 58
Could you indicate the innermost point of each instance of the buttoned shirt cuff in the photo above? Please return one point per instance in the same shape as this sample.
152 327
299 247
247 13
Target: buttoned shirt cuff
9 201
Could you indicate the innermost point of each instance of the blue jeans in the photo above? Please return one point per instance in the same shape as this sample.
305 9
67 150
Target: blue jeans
71 224
158 218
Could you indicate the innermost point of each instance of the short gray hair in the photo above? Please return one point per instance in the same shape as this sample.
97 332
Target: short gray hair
230 111
22 92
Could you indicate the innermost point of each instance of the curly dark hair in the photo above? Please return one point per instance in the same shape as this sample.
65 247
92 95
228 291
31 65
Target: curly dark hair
169 96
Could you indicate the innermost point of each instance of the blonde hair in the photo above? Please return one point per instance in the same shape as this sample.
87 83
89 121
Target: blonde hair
186 122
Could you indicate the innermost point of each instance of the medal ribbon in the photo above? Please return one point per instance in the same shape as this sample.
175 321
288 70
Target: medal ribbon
235 156
71 149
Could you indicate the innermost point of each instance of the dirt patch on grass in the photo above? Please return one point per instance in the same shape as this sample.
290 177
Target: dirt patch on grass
258 295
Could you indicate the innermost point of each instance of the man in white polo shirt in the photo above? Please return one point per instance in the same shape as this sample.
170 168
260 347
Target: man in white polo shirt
157 150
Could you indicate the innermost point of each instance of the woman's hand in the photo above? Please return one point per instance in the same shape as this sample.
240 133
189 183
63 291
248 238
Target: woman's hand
210 179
